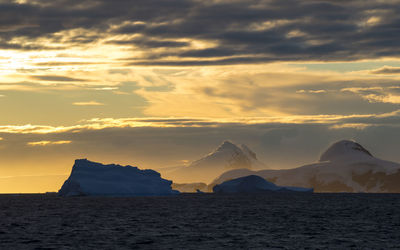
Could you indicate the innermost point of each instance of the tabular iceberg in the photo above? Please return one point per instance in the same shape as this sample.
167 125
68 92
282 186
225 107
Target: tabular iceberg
254 184
95 179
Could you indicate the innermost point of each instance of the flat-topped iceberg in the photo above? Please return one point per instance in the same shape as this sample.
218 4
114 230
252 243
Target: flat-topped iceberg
254 184
95 179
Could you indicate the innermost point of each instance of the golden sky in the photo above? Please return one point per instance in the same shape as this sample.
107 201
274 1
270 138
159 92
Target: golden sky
156 83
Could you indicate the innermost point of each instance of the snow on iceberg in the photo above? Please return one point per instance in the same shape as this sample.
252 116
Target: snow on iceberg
95 179
254 184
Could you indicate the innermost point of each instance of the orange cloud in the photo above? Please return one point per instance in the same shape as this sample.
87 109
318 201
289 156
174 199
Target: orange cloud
90 103
171 122
46 143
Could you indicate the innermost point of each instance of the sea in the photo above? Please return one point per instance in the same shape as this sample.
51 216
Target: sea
201 221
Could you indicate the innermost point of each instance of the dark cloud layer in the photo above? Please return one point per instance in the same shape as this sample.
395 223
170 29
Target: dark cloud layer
237 31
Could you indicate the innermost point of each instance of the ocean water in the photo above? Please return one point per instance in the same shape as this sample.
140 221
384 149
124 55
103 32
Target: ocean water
201 221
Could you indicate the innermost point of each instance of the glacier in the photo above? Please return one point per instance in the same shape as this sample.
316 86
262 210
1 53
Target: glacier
89 178
345 166
254 184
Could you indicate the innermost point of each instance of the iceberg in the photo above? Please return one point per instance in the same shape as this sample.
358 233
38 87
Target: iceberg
254 184
95 179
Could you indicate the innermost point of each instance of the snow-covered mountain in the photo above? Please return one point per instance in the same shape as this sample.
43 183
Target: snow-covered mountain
346 151
345 166
254 184
226 157
95 179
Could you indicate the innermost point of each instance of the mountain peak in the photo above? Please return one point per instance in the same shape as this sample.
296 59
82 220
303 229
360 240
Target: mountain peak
227 146
344 149
226 156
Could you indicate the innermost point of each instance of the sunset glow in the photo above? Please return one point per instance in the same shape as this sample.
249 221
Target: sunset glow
155 83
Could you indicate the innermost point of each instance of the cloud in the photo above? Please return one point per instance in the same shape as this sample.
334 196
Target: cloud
373 20
264 90
387 70
208 33
106 88
319 91
96 124
386 94
190 139
68 63
47 143
56 78
33 129
150 43
361 89
383 98
197 51
90 103
253 91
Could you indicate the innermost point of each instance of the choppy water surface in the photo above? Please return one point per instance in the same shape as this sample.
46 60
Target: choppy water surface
203 221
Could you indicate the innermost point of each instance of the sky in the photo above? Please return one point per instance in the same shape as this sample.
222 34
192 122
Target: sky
160 83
